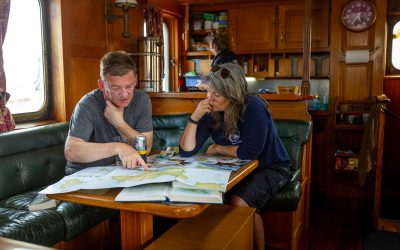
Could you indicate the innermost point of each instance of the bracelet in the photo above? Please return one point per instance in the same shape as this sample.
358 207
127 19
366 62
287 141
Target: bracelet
192 121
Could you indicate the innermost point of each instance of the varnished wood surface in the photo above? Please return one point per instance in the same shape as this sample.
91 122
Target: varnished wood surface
107 200
203 95
9 244
136 218
218 227
337 223
282 106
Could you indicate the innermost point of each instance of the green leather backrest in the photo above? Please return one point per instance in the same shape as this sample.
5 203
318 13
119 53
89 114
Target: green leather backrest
31 158
167 129
294 134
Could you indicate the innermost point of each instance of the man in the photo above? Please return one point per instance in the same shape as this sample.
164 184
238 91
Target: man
112 111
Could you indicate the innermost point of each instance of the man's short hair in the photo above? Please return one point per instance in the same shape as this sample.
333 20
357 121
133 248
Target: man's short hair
116 63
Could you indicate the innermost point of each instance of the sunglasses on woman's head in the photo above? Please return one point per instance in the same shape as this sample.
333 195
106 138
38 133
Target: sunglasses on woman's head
225 73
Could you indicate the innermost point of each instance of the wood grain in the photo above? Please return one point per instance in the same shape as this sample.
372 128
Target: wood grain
218 227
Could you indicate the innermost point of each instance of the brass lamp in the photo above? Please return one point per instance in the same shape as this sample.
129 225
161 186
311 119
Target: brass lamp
126 5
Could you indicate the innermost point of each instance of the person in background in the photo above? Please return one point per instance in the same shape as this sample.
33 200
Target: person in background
240 125
112 111
217 43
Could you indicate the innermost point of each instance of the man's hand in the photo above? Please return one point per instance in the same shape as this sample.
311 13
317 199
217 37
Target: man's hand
114 114
130 158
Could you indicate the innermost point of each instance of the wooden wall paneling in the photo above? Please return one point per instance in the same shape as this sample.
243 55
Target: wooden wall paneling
56 76
355 82
87 41
66 30
81 40
355 40
378 54
390 169
84 76
169 6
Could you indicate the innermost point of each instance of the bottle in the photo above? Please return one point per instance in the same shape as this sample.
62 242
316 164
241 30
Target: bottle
180 79
316 102
245 67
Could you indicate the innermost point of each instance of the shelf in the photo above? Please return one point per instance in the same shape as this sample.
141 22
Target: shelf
347 155
297 78
349 127
318 112
348 172
198 53
199 32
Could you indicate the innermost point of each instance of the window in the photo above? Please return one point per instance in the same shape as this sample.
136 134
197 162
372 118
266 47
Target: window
396 46
24 61
393 45
165 83
170 33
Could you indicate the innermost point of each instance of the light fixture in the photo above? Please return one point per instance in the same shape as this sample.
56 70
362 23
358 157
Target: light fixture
126 5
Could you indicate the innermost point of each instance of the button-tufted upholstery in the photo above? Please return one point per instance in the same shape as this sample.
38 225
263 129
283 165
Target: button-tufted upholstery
31 159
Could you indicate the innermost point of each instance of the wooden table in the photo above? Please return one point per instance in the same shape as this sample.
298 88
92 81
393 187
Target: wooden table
10 244
137 218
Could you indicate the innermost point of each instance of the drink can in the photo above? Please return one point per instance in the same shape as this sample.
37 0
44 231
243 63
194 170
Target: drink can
140 145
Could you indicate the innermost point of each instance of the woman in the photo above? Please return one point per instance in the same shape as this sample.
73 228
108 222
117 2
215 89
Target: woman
240 125
218 45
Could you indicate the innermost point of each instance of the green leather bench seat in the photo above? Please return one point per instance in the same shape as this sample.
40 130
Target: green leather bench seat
31 159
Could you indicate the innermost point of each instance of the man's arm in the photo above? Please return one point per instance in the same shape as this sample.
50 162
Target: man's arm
126 131
78 150
115 115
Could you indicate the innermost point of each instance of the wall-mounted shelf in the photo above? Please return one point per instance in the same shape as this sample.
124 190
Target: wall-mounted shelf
198 53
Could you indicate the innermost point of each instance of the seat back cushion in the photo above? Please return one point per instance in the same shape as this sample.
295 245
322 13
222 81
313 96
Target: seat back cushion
294 134
31 158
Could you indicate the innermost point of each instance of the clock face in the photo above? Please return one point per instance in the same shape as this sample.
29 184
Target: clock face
358 15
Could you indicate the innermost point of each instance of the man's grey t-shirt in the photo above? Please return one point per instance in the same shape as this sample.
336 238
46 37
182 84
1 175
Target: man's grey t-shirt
89 124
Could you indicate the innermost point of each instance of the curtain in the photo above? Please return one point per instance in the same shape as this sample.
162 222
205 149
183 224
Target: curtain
6 120
153 19
4 13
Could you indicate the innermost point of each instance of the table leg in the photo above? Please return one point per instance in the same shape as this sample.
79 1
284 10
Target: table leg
136 230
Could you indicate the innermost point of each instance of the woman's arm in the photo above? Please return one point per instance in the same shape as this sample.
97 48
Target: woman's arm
188 141
215 149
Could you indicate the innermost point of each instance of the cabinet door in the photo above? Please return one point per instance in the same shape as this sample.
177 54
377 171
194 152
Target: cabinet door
252 29
291 26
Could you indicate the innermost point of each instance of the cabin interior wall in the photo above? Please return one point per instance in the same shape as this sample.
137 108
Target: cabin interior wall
85 38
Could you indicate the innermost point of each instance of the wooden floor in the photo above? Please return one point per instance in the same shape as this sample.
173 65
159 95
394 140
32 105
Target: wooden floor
337 223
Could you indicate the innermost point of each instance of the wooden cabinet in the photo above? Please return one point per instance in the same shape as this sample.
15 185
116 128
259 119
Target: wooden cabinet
259 29
291 26
252 29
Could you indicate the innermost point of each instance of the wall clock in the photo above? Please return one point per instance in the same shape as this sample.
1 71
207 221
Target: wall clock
358 15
